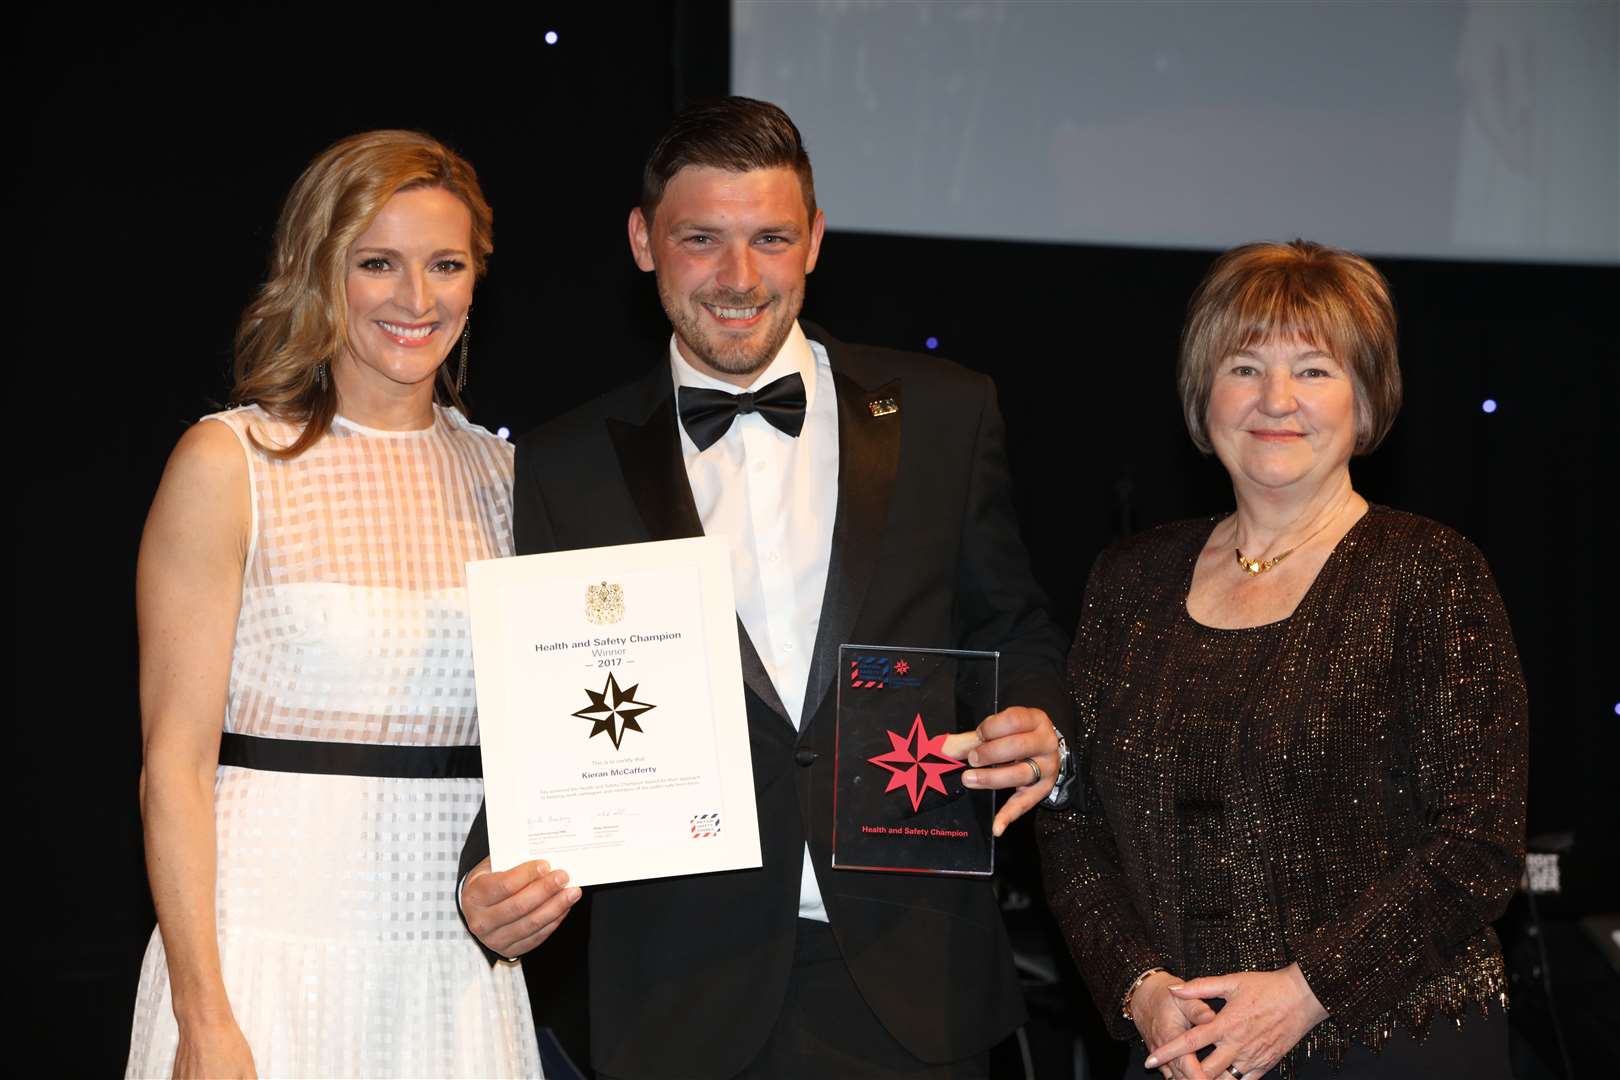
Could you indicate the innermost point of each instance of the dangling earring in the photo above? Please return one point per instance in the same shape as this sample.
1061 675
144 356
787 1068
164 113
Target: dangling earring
466 335
320 374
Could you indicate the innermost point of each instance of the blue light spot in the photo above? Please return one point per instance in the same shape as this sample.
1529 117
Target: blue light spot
932 343
551 37
1617 708
1489 405
504 432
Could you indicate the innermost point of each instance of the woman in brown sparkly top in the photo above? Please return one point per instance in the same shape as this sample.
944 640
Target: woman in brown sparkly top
1303 726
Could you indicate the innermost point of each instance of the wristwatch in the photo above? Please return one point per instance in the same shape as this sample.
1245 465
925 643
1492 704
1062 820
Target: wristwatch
1062 792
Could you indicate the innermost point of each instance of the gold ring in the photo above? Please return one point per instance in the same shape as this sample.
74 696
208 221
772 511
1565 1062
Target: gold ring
1035 767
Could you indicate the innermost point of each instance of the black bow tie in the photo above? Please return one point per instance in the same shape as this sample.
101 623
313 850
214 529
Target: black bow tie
707 414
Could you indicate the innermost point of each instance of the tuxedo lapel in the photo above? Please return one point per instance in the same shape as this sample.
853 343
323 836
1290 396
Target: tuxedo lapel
650 459
868 458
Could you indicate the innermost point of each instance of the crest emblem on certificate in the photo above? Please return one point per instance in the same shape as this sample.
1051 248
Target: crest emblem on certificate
604 603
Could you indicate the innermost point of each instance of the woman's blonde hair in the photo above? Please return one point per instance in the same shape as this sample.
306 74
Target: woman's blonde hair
299 319
1331 299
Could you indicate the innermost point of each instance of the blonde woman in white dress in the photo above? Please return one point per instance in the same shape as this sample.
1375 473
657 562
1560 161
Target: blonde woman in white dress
308 715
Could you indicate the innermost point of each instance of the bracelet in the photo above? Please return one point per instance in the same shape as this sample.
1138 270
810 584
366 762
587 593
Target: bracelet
1125 1003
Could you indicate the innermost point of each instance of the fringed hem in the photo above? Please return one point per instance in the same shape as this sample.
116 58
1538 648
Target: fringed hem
1478 981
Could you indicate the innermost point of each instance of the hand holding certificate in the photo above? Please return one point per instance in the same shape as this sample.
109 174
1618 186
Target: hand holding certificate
610 702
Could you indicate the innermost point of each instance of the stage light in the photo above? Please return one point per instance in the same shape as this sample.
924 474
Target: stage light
504 432
1617 708
1489 405
551 37
932 343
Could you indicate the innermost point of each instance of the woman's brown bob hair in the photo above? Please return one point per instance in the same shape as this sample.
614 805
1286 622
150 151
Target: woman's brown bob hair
1301 291
299 319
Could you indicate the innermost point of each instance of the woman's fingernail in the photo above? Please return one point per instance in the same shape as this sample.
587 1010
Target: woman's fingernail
1151 1063
970 779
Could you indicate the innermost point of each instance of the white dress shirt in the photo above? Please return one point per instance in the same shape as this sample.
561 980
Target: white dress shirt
774 498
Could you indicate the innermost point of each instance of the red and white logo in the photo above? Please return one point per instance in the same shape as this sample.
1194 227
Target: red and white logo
916 762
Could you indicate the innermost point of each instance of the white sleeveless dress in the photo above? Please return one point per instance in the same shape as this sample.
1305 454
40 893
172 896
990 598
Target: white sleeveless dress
342 950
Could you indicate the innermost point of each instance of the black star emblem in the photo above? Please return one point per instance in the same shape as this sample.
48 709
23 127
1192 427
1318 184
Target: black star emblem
624 709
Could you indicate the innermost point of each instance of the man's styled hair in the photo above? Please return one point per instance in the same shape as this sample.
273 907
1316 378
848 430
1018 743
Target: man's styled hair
737 134
1328 298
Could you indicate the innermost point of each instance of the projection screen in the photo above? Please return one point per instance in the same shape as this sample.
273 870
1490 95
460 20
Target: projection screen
1454 130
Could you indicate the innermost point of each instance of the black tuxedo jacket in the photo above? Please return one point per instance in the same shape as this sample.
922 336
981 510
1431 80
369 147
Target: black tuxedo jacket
688 974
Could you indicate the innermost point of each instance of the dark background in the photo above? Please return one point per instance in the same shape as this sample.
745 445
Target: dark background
161 145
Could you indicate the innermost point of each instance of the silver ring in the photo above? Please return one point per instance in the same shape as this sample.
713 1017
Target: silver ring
1235 1074
1035 767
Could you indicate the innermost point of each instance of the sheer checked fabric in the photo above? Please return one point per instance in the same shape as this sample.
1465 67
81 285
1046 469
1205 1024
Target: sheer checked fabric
1344 788
342 951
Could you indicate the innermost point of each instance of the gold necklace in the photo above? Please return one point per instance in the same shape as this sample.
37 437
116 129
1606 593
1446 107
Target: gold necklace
1256 567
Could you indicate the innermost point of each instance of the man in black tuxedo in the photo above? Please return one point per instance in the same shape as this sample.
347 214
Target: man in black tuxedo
866 497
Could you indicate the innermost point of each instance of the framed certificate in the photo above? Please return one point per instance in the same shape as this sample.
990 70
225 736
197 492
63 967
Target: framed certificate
610 709
898 799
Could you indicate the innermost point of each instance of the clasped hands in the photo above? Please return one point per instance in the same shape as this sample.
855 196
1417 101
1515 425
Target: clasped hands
1265 1014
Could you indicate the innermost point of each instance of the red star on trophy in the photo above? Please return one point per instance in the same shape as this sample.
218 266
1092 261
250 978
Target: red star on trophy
913 756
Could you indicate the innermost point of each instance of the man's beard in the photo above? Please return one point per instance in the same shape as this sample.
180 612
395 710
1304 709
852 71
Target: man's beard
722 352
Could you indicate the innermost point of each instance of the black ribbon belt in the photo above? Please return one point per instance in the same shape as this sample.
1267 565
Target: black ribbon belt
351 759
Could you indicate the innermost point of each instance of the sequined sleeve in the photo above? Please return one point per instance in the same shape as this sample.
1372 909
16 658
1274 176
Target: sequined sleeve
1466 726
1085 884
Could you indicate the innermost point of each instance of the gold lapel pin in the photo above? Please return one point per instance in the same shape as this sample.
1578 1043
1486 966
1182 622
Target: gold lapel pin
883 406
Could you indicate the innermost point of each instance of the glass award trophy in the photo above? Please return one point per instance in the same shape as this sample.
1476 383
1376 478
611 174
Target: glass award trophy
898 799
